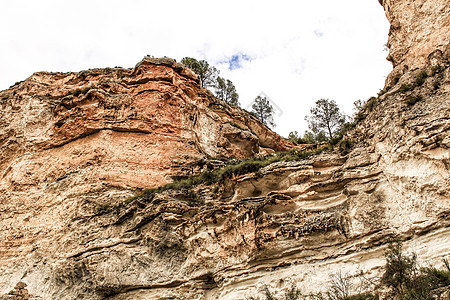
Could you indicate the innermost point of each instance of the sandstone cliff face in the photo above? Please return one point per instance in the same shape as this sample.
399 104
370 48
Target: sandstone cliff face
69 232
138 127
72 143
419 31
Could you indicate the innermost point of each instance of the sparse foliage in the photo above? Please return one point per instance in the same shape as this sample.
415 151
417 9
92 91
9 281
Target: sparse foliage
293 293
399 269
209 78
268 294
403 278
325 117
340 288
358 111
308 137
420 78
226 91
293 137
208 74
263 110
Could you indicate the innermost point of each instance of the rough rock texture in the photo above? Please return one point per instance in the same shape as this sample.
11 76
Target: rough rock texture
18 293
70 164
137 127
420 31
72 143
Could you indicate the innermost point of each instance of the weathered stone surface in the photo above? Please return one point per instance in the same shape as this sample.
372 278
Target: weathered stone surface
18 293
419 33
136 127
75 143
70 162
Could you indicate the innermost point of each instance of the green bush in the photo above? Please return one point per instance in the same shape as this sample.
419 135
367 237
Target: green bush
401 275
399 269
345 145
231 169
293 293
426 285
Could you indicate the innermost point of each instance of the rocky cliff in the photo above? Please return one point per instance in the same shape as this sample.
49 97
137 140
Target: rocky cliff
77 146
74 143
418 34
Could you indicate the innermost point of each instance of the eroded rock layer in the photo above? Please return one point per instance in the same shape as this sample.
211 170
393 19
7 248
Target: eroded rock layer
138 127
73 143
73 156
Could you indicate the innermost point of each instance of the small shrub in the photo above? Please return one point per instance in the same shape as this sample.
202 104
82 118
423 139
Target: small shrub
363 296
293 293
359 116
420 78
401 275
411 100
248 167
437 278
396 79
130 199
427 284
399 269
78 92
370 104
208 177
406 88
268 294
345 145
340 288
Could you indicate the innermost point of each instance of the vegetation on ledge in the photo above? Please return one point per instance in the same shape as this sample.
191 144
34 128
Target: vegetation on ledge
233 168
402 280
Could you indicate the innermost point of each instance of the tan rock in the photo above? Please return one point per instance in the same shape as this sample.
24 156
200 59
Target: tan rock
70 163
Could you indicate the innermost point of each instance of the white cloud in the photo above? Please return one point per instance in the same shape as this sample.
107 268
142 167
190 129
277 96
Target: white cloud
301 51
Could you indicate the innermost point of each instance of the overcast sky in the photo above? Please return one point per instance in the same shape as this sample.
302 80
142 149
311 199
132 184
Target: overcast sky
295 52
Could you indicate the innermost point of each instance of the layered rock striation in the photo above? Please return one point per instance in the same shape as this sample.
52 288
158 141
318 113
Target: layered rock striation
73 143
77 146
139 126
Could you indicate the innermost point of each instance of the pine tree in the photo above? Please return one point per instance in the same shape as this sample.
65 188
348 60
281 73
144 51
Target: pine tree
226 91
263 110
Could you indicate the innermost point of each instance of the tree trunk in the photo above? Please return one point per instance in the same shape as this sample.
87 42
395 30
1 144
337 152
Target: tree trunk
329 131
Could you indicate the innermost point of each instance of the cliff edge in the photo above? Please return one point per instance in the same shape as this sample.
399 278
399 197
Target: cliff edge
73 159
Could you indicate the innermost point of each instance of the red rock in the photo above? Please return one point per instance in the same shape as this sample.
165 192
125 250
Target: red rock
132 128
